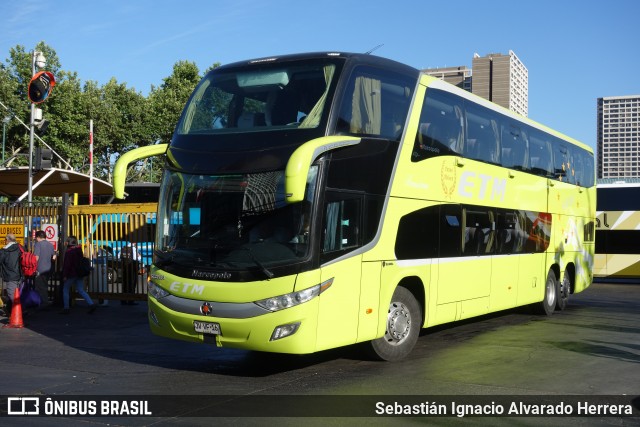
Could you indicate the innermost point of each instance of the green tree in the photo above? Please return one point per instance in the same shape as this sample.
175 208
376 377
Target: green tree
167 101
11 103
123 119
120 122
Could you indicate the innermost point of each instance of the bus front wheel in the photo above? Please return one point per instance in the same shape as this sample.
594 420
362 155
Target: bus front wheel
551 292
402 328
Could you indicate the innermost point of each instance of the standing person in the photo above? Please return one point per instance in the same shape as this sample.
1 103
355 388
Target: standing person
11 271
130 266
45 254
72 258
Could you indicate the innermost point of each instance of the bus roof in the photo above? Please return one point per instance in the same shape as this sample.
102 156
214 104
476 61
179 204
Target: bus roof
361 58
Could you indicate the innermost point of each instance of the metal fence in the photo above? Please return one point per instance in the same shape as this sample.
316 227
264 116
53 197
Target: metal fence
118 238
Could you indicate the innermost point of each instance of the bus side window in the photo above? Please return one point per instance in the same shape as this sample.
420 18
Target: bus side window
451 233
479 233
586 176
341 226
440 129
482 134
563 168
417 236
375 103
578 167
514 147
506 222
540 156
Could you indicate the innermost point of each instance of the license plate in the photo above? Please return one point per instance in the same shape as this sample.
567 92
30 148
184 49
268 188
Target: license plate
210 328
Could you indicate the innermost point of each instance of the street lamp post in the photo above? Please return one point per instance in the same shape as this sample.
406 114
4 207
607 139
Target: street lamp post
5 122
37 59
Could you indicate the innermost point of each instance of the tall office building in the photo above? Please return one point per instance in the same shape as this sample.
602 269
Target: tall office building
618 137
502 79
457 76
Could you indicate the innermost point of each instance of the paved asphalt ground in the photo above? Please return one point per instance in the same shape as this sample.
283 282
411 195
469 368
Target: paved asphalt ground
590 349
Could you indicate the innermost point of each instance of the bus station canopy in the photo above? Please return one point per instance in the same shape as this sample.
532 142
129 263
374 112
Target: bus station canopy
53 182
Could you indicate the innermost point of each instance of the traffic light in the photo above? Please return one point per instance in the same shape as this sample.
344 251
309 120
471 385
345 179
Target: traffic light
41 125
44 156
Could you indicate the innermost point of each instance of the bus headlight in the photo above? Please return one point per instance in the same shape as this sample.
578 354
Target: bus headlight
156 291
294 298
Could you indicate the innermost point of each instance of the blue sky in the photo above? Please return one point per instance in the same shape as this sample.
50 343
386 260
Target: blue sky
575 51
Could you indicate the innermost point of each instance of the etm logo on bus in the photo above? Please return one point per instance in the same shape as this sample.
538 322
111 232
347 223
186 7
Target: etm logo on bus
481 186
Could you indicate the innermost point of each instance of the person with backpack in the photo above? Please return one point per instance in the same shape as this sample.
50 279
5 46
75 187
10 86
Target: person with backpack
45 254
11 271
72 274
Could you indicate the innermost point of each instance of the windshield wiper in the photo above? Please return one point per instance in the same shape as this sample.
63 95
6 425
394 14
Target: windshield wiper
264 269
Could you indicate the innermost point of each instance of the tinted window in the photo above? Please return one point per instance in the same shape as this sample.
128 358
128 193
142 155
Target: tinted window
478 235
514 146
376 103
617 241
540 154
341 224
506 235
451 125
584 167
450 230
447 231
418 234
482 134
563 167
440 129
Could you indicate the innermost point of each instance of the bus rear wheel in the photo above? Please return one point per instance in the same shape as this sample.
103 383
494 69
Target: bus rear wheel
564 291
551 291
402 329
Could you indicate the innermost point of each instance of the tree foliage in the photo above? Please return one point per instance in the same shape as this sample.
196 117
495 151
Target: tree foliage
123 119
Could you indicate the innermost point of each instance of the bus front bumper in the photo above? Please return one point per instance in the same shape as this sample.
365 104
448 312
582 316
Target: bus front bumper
291 330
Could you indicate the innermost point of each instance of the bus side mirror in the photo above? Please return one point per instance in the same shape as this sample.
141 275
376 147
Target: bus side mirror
120 168
300 161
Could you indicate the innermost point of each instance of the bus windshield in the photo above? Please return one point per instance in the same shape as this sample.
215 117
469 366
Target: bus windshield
232 222
261 97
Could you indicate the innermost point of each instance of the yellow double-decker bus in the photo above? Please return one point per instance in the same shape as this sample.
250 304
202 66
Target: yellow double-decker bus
319 200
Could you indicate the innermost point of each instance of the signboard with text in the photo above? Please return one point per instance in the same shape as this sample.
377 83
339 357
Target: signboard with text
17 229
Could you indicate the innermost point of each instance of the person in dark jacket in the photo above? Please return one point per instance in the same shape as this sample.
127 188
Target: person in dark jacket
72 258
10 267
46 255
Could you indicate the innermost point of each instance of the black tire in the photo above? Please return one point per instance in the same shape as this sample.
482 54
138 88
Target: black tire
404 321
551 291
112 275
564 290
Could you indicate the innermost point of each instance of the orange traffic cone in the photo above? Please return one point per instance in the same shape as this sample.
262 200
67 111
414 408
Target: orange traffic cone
16 312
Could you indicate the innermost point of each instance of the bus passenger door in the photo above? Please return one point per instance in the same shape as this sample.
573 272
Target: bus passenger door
341 229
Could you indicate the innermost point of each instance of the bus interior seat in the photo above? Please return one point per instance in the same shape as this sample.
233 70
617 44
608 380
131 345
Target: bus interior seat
246 120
